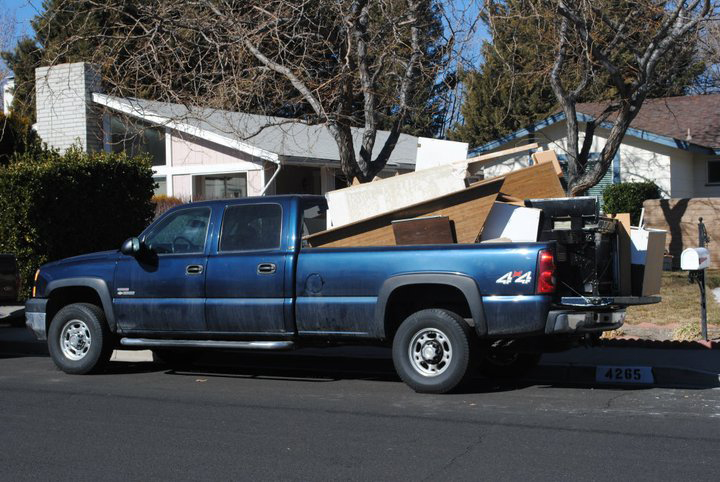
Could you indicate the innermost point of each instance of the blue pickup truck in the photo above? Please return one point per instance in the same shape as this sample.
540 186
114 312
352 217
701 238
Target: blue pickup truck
239 274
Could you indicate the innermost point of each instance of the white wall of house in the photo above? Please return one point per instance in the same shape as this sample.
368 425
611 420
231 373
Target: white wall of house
700 184
8 87
182 187
641 160
190 157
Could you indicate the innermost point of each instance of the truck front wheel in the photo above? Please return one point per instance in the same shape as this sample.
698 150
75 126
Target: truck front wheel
79 340
432 351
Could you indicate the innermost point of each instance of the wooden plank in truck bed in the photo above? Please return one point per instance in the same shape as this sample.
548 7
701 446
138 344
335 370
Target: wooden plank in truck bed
468 209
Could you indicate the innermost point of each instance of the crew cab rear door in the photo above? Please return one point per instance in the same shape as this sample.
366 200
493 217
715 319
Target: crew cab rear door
245 286
164 289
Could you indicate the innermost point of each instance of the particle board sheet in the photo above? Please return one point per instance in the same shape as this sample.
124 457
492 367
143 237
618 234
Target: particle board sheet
467 208
625 286
362 201
647 249
535 182
549 156
427 230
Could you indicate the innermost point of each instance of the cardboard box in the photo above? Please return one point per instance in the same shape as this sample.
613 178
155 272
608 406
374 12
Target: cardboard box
646 254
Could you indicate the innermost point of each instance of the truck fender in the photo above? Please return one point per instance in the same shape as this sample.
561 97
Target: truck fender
464 283
97 284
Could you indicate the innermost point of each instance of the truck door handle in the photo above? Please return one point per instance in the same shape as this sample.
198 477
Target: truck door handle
194 269
266 268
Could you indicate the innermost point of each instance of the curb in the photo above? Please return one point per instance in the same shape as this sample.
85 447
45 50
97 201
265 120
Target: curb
661 344
132 356
664 377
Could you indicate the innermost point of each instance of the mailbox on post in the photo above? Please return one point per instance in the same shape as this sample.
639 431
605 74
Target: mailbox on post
693 259
696 261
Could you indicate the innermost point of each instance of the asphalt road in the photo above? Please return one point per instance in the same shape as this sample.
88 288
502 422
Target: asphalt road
289 417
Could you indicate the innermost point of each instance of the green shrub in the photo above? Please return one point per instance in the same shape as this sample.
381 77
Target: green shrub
628 197
53 206
163 203
16 137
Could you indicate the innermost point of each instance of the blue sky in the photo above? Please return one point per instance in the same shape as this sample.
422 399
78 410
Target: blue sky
23 11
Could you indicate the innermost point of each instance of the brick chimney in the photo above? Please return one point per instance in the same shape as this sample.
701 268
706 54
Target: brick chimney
66 114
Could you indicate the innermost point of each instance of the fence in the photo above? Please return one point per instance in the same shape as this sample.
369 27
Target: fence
679 217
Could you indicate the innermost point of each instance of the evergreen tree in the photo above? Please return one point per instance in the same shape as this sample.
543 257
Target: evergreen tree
22 61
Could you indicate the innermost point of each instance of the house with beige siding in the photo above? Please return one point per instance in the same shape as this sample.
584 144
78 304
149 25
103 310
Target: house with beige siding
203 153
674 141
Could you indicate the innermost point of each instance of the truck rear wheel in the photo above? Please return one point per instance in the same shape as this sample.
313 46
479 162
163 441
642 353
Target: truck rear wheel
79 340
432 351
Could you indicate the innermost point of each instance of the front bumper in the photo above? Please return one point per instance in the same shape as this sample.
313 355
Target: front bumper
35 309
580 322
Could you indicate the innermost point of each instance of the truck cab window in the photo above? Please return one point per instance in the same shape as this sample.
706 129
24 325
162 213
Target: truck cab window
182 232
314 220
251 227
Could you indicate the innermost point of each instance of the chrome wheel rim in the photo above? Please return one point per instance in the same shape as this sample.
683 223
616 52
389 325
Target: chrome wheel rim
75 340
430 352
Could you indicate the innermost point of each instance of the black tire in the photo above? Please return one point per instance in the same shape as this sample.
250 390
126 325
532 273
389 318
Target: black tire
79 339
508 364
173 357
448 361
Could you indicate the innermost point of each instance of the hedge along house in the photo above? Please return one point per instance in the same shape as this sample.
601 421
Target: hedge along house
674 142
203 153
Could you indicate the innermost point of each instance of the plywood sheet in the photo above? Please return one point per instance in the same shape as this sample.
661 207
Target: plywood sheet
467 208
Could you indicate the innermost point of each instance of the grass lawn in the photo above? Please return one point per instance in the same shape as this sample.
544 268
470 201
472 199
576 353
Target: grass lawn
680 301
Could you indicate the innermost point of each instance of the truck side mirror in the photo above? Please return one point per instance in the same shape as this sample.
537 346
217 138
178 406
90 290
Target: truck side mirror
131 247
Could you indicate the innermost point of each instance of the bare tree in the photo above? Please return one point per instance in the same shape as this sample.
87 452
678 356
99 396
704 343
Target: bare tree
7 37
338 64
710 55
620 42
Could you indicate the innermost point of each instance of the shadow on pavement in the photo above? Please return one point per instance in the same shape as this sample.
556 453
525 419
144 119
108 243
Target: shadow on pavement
674 364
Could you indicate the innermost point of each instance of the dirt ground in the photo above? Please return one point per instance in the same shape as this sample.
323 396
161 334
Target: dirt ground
677 317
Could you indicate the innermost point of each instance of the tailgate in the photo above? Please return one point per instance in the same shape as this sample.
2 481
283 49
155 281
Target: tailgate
605 302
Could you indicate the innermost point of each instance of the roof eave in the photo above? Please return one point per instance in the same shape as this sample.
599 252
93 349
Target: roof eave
126 107
637 133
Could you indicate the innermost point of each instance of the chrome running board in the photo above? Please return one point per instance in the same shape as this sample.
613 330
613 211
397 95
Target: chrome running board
245 345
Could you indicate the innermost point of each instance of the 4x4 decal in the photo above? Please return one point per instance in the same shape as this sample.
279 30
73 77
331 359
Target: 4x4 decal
516 276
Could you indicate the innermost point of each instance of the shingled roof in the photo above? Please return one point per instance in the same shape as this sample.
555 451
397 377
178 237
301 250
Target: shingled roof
692 118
